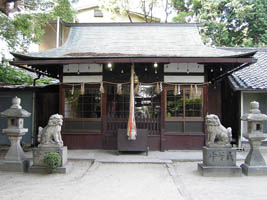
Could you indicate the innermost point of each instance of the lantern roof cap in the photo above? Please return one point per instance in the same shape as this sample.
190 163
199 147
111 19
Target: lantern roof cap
254 113
15 111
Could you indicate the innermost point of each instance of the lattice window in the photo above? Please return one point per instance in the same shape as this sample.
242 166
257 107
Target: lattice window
187 103
87 105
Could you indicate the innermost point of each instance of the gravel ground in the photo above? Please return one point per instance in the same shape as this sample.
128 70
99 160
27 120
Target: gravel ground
96 181
92 181
197 187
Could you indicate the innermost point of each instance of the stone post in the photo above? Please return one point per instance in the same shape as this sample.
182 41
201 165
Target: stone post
254 162
15 159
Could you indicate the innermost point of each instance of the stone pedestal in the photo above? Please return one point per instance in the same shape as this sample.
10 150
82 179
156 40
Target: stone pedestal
15 159
38 159
219 161
15 166
255 164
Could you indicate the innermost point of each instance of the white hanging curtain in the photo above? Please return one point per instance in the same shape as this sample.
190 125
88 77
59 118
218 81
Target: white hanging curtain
131 129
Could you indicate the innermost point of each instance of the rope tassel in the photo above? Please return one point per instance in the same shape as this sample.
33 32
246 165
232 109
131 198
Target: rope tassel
136 89
157 89
72 90
179 90
119 89
175 91
82 89
196 90
191 91
102 90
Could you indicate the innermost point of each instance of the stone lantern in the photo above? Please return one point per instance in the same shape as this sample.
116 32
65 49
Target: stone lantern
254 162
15 159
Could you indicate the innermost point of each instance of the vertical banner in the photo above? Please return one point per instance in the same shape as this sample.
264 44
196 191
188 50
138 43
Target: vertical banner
131 129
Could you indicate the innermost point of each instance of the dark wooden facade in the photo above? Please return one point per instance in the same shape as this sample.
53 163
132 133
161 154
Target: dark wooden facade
163 132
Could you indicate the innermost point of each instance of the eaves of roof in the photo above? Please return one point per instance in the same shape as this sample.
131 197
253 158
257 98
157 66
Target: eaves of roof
133 40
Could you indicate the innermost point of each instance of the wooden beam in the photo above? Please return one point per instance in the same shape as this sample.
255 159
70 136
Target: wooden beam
131 60
229 72
33 70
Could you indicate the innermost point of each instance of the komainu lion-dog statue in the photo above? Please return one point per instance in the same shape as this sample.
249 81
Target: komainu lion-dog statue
50 136
218 135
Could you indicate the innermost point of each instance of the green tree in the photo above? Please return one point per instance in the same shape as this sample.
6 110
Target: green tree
13 75
146 7
257 24
24 27
187 10
227 22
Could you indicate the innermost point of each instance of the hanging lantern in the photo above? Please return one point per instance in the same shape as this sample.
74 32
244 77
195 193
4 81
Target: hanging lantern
160 87
119 89
102 90
109 66
82 89
179 90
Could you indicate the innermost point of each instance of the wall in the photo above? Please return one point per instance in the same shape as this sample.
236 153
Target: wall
84 16
49 37
87 16
214 100
231 111
26 103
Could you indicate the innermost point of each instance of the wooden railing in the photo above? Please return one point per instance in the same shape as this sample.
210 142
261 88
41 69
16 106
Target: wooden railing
151 124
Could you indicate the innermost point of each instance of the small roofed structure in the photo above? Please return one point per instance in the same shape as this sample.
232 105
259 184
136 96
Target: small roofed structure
173 68
253 77
246 85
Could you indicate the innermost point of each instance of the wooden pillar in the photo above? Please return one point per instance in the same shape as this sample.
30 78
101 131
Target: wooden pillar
61 92
205 110
163 114
104 115
61 99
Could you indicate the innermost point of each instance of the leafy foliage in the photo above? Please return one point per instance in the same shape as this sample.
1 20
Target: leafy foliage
227 22
13 75
26 27
23 28
146 7
52 160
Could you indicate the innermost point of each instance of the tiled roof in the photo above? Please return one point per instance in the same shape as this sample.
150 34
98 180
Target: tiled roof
253 77
134 40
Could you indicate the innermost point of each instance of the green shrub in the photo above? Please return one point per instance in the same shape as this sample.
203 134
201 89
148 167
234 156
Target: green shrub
52 160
